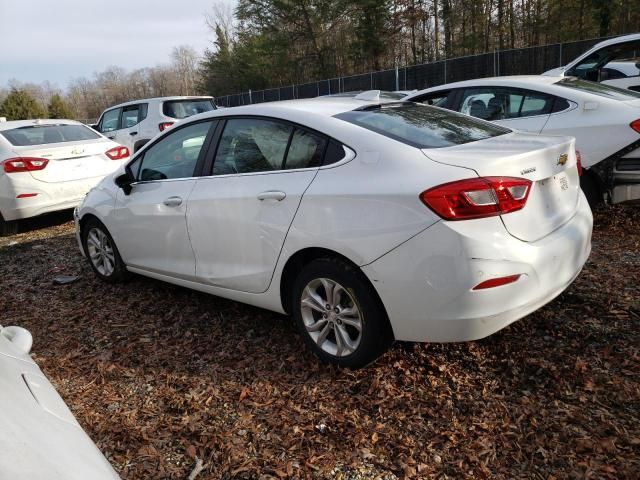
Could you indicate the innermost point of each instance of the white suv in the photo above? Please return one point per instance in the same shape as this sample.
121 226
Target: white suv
134 123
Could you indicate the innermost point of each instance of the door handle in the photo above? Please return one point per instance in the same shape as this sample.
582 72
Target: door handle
272 195
172 201
133 133
111 138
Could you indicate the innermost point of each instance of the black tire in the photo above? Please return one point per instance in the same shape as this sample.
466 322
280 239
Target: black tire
591 188
354 289
97 250
8 228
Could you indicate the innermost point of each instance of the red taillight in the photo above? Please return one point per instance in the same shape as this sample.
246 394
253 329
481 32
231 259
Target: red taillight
635 125
477 197
164 125
27 195
496 282
24 164
117 153
579 163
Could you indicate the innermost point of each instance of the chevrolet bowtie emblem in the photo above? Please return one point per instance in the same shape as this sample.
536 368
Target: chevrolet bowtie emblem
562 159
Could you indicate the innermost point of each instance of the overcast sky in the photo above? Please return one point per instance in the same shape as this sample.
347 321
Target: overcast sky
58 40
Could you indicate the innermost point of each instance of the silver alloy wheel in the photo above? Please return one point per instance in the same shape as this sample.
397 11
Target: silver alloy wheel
331 317
101 251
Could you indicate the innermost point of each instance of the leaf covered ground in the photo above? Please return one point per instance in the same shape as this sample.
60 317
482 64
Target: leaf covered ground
159 375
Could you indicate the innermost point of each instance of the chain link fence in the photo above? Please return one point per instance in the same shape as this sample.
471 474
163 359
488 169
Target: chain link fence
519 61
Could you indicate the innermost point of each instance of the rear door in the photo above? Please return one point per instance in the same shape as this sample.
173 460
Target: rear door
548 162
515 108
128 131
239 216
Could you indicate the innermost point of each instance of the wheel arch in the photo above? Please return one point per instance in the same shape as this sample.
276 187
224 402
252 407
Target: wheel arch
296 262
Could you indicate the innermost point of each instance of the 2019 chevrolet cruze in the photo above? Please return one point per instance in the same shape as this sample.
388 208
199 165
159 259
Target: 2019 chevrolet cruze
365 221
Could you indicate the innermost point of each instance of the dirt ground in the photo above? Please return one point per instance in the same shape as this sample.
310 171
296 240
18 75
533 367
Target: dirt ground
159 375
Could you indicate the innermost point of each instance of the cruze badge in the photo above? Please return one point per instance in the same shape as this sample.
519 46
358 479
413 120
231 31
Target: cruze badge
527 170
562 159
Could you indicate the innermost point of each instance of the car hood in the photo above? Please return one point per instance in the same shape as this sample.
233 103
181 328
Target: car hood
40 438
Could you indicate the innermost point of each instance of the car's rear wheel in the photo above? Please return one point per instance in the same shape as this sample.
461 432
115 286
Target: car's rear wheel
8 228
339 314
102 253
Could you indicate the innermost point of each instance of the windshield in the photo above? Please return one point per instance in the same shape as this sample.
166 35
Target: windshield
600 89
422 126
46 134
185 108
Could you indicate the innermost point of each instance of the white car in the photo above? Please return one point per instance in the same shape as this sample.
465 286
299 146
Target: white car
613 62
604 120
41 439
365 221
134 123
49 165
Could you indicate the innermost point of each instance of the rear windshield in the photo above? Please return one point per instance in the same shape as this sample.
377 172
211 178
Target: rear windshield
422 126
45 134
186 108
599 89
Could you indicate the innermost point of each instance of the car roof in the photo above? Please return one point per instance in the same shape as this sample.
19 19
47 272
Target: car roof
326 106
512 80
11 124
160 99
614 41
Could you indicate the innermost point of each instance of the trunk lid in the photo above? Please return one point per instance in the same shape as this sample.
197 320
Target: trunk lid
548 162
71 161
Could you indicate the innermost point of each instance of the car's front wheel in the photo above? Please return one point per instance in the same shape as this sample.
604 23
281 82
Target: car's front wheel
339 314
102 252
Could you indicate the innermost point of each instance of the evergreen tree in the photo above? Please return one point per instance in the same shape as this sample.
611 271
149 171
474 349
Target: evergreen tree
58 108
19 105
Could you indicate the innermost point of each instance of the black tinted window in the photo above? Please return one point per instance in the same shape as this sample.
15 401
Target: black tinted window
45 134
186 108
306 150
422 126
335 152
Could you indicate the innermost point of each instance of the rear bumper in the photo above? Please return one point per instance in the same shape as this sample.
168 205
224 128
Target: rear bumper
50 197
426 283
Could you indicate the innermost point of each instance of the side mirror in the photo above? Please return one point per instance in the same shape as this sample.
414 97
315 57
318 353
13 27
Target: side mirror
124 181
604 76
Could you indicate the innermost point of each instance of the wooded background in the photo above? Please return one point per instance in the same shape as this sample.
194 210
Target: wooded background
270 43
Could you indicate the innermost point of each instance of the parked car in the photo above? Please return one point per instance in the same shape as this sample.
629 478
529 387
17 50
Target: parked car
605 121
41 439
366 221
49 165
134 123
613 62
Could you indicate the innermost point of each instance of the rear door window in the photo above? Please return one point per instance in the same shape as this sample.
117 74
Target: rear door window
422 126
130 116
501 103
46 134
250 145
185 108
437 99
306 150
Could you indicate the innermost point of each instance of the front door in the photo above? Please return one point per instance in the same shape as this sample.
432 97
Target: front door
150 222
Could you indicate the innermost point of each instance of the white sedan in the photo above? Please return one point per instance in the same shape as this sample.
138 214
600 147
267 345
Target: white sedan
604 120
41 439
365 221
49 165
